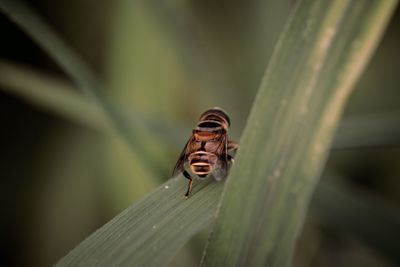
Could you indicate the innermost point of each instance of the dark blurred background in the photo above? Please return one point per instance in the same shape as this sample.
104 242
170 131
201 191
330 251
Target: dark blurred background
63 174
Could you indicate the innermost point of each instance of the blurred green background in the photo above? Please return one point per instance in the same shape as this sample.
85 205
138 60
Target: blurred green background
64 173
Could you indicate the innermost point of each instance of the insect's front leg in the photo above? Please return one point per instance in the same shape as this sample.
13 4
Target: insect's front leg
233 146
187 175
230 161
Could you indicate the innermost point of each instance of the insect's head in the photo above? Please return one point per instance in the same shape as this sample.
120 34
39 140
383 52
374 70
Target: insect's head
215 114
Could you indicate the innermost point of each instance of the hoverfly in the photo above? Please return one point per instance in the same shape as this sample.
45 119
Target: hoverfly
206 151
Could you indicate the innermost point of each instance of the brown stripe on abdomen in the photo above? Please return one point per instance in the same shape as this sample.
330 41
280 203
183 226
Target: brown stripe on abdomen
199 157
201 169
196 160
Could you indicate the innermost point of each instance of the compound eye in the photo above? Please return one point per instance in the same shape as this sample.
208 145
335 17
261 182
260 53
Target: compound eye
209 124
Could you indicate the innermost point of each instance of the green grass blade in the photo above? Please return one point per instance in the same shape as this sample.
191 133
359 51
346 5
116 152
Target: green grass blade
60 98
151 232
320 55
31 23
50 94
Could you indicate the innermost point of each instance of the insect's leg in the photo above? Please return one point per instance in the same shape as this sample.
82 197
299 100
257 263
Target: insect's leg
230 161
233 146
187 175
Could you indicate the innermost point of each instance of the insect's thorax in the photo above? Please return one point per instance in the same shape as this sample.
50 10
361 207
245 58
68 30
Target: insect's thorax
208 134
208 143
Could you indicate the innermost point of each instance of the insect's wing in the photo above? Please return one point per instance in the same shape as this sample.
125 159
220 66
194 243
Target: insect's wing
221 168
180 164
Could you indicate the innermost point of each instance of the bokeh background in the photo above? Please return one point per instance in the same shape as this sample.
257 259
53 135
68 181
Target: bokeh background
64 173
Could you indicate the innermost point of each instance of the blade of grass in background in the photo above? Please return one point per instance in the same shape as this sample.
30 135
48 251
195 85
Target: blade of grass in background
320 55
60 98
150 232
50 94
31 23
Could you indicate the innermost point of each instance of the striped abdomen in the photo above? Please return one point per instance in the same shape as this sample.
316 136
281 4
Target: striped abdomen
201 163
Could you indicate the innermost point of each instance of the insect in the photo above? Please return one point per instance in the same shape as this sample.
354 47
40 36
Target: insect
206 151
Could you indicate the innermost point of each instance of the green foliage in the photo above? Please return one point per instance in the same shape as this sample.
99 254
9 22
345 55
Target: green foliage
320 55
289 131
39 90
23 15
150 232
